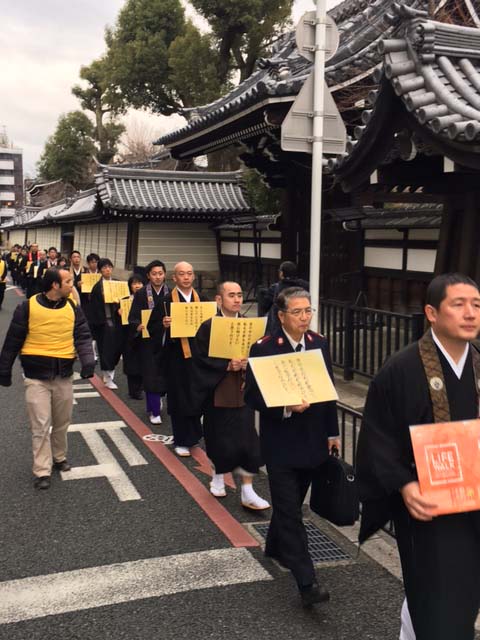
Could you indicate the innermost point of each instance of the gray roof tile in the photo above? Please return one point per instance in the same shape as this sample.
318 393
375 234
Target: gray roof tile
362 26
206 195
434 69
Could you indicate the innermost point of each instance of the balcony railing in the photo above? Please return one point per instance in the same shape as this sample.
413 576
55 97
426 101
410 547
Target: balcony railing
361 339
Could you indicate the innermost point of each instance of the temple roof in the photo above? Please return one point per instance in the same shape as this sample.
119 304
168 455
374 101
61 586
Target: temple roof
191 194
425 77
430 85
148 194
361 24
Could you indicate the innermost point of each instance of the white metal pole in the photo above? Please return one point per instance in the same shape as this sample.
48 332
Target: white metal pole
317 155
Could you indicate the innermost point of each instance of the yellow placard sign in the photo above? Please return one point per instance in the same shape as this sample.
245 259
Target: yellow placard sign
13 255
89 280
115 290
287 379
188 316
28 265
125 306
35 271
232 338
146 313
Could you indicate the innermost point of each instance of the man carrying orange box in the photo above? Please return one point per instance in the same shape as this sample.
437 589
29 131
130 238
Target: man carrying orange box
435 380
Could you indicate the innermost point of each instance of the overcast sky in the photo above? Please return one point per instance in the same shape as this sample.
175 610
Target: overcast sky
43 45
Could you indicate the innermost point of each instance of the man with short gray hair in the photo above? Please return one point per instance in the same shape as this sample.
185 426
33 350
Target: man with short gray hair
295 441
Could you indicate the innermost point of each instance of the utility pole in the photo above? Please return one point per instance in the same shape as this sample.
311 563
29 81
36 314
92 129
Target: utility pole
431 8
317 155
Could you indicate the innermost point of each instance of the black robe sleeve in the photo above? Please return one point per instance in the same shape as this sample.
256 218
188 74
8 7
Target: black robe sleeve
139 302
253 395
397 398
96 311
207 372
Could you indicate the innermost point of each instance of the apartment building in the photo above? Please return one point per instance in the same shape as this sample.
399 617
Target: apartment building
11 179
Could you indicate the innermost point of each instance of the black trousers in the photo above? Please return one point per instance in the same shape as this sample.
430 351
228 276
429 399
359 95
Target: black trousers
187 430
287 537
135 385
441 572
3 286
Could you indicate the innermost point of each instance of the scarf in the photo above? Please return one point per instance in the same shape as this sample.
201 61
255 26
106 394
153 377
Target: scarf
149 292
187 353
436 382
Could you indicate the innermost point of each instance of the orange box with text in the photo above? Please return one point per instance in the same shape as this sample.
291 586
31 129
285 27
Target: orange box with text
447 457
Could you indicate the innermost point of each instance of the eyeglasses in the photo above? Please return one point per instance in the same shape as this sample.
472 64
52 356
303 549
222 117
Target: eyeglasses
298 312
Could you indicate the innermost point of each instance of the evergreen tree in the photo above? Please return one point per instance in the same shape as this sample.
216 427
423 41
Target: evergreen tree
100 97
69 152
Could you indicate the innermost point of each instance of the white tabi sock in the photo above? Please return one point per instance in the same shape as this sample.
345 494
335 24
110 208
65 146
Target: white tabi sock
248 493
218 481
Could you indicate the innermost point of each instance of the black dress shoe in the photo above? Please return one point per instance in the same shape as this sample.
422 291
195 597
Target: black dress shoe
313 594
42 483
62 466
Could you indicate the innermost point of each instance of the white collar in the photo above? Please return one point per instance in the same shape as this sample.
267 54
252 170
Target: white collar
293 342
456 366
186 297
224 316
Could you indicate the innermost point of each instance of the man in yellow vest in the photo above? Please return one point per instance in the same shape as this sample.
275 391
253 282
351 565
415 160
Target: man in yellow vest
48 331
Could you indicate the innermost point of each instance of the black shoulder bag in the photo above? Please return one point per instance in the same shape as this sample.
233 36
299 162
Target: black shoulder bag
334 494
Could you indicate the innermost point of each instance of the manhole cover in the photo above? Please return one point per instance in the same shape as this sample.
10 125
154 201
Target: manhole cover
320 546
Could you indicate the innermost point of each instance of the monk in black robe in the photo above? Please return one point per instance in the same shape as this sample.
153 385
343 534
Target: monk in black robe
106 326
149 297
175 358
34 276
434 380
132 366
228 423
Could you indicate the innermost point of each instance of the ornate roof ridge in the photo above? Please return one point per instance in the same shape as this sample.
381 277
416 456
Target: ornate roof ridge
111 172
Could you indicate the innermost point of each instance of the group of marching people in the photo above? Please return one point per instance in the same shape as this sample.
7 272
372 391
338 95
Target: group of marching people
157 366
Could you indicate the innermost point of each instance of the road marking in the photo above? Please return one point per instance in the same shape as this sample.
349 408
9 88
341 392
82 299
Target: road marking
85 394
223 519
107 466
83 386
82 589
158 437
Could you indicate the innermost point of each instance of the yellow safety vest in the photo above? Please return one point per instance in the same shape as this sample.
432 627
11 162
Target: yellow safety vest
50 331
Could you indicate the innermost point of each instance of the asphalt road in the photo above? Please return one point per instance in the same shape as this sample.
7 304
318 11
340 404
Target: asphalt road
123 550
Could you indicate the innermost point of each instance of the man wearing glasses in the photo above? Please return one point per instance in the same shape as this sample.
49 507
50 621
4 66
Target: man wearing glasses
294 441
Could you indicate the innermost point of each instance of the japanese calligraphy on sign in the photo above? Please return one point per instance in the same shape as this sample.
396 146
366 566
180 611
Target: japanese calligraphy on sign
188 316
125 306
146 313
287 379
114 290
89 280
232 338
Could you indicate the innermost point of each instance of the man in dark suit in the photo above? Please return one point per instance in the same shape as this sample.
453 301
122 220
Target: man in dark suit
294 441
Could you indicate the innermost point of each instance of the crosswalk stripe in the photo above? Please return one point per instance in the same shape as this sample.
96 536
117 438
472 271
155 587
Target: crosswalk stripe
93 587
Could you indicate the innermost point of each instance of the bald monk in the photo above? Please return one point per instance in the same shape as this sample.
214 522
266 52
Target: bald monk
174 357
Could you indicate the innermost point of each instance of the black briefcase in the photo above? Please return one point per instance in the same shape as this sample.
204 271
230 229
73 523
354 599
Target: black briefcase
334 493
